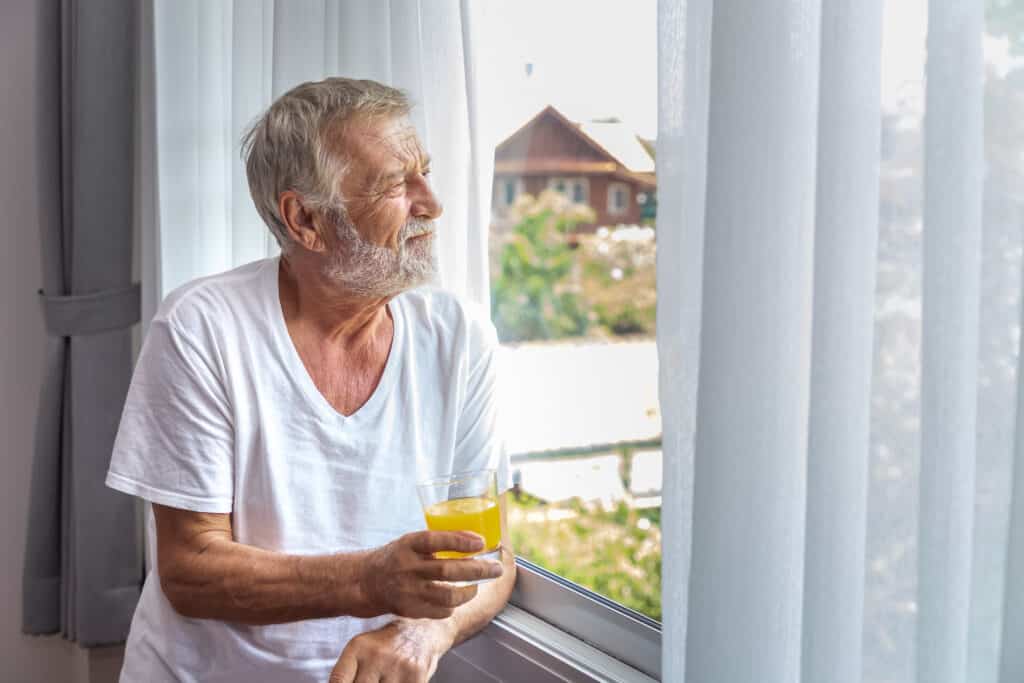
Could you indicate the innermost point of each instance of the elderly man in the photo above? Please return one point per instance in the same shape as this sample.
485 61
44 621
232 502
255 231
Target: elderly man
282 413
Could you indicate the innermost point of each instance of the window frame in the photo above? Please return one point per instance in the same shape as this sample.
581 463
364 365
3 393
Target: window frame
613 210
502 187
517 646
613 629
571 183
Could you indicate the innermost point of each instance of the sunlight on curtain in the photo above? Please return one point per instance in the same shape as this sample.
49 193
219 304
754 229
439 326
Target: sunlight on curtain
217 65
900 539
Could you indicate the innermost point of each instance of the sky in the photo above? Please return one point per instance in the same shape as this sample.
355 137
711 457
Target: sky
599 59
590 59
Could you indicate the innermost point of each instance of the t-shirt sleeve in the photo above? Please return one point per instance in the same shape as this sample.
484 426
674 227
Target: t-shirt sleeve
175 442
480 442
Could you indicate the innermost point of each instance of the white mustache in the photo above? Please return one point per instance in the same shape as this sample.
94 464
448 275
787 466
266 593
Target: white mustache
415 228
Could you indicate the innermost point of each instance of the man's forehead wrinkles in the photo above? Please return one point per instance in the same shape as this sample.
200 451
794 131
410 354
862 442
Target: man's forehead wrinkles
388 154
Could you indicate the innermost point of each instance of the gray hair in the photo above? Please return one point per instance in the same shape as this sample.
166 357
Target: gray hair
289 146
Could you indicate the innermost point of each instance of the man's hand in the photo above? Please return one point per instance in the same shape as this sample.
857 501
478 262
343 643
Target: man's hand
404 651
403 577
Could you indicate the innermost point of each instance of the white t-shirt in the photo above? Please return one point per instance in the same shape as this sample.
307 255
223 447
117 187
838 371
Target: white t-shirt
222 416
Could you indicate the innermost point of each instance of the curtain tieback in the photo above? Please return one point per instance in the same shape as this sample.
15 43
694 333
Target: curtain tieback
77 315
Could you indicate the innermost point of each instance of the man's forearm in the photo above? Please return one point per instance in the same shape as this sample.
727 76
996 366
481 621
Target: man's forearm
249 585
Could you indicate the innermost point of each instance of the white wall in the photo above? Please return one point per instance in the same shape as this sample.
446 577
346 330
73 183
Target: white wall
24 659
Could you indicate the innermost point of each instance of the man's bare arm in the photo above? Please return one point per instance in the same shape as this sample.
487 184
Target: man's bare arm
206 574
410 649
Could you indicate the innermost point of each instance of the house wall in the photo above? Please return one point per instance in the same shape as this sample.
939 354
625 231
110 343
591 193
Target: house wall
598 198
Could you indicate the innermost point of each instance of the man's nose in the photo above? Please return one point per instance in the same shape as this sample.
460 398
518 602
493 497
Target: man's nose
426 204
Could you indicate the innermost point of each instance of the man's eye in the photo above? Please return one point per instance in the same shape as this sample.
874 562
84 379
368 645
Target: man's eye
425 172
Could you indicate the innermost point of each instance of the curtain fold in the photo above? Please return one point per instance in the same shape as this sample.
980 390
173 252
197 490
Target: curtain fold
219 65
1011 658
845 256
949 344
82 571
749 479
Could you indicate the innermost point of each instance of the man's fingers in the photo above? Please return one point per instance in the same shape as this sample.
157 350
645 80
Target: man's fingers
430 542
461 570
447 595
368 676
345 670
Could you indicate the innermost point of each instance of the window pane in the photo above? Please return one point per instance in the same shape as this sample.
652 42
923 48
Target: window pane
573 293
579 192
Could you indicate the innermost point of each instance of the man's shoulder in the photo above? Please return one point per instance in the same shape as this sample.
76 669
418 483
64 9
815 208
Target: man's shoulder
446 312
214 299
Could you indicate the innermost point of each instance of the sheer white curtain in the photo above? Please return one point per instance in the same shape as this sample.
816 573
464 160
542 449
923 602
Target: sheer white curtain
774 343
209 68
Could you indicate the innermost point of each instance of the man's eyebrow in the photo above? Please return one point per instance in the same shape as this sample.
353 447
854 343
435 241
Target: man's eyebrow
386 177
389 176
393 175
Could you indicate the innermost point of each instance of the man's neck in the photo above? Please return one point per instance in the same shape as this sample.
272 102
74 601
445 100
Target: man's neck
312 304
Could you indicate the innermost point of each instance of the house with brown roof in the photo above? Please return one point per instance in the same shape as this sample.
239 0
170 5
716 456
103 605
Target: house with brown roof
600 163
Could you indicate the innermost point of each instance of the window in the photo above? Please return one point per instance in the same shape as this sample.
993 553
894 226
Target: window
574 306
507 190
576 190
579 192
618 198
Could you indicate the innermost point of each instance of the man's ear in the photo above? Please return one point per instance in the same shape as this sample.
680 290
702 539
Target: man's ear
300 221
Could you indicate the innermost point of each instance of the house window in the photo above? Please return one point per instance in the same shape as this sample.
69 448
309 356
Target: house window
618 198
508 190
576 190
579 193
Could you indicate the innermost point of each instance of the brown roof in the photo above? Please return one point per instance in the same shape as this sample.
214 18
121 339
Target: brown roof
611 163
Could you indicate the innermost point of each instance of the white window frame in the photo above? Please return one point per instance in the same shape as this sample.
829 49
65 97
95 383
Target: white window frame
571 183
502 184
614 210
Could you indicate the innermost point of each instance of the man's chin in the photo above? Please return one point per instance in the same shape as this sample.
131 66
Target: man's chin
421 277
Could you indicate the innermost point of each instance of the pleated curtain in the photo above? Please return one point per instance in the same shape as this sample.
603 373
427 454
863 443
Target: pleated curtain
772 281
83 562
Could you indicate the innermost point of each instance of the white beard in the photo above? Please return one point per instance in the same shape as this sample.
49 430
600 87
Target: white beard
373 271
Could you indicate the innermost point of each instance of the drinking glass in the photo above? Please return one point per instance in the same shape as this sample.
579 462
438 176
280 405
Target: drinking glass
464 501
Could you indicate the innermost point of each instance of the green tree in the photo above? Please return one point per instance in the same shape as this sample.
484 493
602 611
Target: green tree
534 295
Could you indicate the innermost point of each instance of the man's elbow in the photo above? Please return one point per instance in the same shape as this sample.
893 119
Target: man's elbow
180 592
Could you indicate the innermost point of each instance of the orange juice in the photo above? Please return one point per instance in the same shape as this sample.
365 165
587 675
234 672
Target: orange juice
478 514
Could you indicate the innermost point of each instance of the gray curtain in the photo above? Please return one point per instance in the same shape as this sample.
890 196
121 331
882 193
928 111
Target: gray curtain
83 566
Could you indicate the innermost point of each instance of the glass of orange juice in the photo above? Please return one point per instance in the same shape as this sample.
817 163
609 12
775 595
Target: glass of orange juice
464 501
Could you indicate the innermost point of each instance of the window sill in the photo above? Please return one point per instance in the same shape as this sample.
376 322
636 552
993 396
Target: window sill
518 646
554 630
